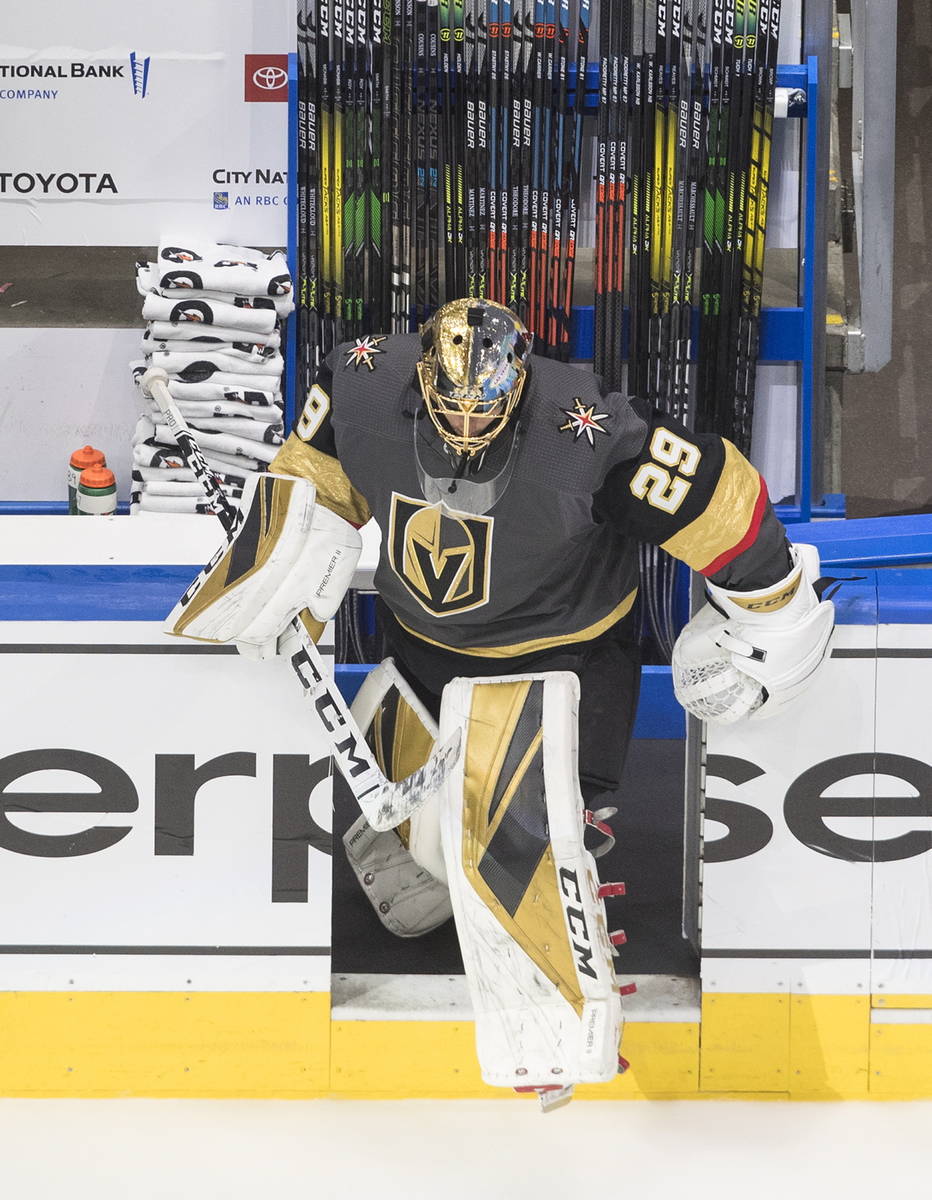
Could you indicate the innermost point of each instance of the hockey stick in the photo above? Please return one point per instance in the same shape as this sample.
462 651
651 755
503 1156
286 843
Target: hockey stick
383 803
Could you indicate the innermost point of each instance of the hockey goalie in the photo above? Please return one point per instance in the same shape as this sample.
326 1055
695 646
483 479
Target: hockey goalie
511 492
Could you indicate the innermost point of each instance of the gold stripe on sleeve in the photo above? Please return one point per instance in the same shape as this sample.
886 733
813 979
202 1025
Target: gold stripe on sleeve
726 518
334 490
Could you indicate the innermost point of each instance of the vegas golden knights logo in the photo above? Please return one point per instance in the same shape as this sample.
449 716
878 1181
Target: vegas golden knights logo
442 559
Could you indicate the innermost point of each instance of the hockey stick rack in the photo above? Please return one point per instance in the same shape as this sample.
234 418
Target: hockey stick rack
790 334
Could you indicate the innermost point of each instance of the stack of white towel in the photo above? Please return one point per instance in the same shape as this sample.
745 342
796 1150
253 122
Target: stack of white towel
214 316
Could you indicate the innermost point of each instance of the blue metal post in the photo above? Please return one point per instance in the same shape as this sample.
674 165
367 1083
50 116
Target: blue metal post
291 201
808 381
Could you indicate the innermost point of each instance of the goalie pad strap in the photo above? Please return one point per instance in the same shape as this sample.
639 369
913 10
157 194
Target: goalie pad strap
530 922
401 871
406 898
401 733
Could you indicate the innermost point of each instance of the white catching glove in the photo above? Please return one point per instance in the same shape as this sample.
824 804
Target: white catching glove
289 554
752 653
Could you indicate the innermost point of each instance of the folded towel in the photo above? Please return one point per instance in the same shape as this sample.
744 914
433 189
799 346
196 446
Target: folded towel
179 487
242 427
252 397
272 434
217 267
143 502
199 368
249 393
209 337
147 475
242 352
147 452
226 448
211 312
228 445
254 353
246 351
147 284
214 377
199 410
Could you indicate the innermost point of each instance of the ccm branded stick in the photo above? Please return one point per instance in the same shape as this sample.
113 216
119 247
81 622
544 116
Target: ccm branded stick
384 804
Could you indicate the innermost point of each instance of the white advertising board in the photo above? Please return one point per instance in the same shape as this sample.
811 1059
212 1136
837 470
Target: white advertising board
787 876
818 824
165 816
120 119
902 909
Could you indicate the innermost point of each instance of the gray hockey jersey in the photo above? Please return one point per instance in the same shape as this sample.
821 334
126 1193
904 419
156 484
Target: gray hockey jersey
535 545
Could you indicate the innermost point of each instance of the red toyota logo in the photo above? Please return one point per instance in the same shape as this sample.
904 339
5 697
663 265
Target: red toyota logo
266 78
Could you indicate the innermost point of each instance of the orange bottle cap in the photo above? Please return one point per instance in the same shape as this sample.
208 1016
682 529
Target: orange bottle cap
97 477
88 456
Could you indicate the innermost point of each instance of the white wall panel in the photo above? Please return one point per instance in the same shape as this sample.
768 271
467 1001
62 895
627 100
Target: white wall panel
61 389
150 159
773 446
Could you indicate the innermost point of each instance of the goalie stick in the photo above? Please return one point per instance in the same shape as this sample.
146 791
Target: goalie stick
384 804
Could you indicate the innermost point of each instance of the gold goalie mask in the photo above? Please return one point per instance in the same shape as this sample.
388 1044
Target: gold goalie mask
472 371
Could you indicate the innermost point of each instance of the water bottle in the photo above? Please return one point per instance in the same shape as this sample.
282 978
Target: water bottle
96 492
87 456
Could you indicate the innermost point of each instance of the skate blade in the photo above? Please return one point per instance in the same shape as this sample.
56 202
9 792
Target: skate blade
549 1100
550 1096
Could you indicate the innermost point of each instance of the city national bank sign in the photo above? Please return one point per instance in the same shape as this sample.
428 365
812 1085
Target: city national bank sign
42 80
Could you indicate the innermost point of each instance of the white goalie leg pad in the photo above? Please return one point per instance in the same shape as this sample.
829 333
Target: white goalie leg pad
530 922
289 554
401 871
